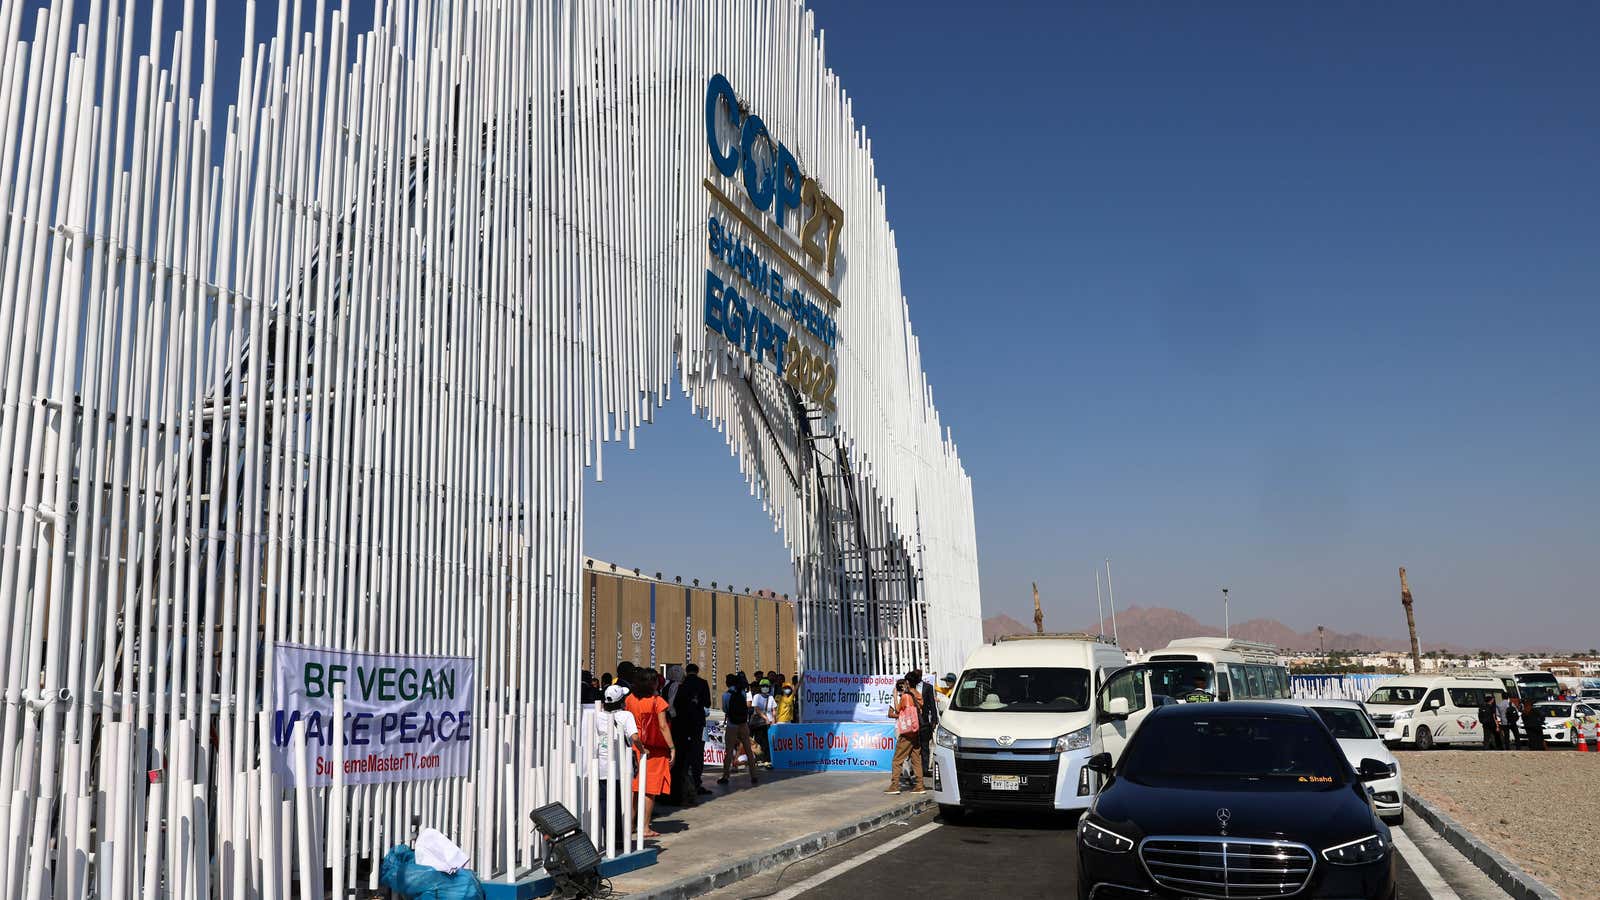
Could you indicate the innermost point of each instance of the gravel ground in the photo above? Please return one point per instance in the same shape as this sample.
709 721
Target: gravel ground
1539 809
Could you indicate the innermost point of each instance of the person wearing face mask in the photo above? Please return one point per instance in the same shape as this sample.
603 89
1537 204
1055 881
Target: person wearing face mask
763 712
786 706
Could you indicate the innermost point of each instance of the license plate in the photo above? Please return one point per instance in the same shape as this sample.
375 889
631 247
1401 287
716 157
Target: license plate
1004 782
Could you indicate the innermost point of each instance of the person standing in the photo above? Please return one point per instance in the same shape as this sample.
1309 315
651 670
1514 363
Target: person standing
906 712
928 714
1533 724
763 712
947 686
1489 721
612 725
690 700
736 730
1512 715
656 750
786 706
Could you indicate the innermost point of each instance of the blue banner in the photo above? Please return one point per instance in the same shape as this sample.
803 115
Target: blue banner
833 747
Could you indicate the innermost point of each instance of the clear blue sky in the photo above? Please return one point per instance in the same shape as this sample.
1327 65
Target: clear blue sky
1277 297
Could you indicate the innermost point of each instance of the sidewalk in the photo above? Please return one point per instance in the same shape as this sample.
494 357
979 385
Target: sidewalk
739 830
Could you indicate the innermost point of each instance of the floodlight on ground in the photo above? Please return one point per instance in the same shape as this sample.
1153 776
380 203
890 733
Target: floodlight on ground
570 856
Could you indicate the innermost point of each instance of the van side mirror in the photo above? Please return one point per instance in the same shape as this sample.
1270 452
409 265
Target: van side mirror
1099 763
1117 708
1435 704
1373 770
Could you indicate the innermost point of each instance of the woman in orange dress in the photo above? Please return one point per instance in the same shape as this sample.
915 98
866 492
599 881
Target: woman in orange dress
654 744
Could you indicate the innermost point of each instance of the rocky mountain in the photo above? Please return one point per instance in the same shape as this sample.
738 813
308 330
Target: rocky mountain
997 626
1149 627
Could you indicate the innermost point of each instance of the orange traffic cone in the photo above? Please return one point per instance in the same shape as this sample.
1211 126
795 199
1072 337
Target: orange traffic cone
1579 743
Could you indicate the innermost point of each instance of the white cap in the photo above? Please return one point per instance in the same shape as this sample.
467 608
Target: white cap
615 693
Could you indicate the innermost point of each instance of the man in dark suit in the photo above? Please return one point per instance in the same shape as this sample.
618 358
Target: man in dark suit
929 714
690 699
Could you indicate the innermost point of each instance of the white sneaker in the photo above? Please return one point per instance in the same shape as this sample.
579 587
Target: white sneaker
893 791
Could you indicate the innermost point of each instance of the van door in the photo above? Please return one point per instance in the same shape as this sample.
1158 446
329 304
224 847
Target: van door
1132 684
1433 715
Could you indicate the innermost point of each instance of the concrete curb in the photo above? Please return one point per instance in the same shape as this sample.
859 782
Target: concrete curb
732 869
1502 871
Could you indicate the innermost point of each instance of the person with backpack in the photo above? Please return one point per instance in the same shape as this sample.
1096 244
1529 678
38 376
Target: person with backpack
907 715
736 733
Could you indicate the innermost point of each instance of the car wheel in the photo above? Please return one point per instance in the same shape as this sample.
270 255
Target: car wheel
950 813
1424 738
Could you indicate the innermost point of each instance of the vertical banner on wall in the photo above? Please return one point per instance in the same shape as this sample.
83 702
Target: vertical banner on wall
723 643
701 636
406 718
671 635
635 621
846 697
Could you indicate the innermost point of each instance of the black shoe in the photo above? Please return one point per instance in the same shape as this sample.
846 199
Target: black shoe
754 780
701 789
722 780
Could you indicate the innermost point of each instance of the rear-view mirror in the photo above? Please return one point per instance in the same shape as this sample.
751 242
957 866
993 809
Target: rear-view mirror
1100 762
1117 708
1373 770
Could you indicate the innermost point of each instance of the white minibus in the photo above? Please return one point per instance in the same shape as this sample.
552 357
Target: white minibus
1019 724
1188 670
1426 710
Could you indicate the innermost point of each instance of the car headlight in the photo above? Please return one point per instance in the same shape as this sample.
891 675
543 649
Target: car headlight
1358 852
1103 839
1404 714
944 737
1077 740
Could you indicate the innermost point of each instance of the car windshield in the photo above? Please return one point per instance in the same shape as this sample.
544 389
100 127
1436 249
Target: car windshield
1396 695
1555 709
1241 750
1346 723
1022 690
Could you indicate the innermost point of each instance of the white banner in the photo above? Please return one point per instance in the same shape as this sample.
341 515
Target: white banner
406 718
713 734
843 697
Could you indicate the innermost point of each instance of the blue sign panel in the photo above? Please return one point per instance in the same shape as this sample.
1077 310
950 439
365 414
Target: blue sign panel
833 747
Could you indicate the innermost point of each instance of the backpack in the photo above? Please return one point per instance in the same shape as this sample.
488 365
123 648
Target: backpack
735 707
909 720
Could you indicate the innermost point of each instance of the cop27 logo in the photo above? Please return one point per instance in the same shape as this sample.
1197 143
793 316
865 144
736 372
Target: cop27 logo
638 631
772 177
700 637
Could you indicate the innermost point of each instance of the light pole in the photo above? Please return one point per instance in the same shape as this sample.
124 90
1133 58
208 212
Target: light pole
1227 624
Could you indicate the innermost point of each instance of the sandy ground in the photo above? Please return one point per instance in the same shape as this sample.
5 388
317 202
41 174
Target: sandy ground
1539 809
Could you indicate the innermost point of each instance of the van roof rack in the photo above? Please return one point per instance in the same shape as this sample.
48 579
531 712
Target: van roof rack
1256 651
1057 636
1464 672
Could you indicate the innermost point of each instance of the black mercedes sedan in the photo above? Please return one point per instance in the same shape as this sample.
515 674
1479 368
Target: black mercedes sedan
1241 801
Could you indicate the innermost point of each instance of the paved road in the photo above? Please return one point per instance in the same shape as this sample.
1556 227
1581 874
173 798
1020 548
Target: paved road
1006 858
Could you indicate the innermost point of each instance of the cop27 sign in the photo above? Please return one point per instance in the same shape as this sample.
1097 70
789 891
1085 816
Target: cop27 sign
406 718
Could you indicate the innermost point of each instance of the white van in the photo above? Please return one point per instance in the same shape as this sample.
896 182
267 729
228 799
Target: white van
1429 710
1019 724
1187 670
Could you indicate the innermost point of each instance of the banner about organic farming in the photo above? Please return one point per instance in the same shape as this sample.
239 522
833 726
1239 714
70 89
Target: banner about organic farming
845 697
839 747
406 718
